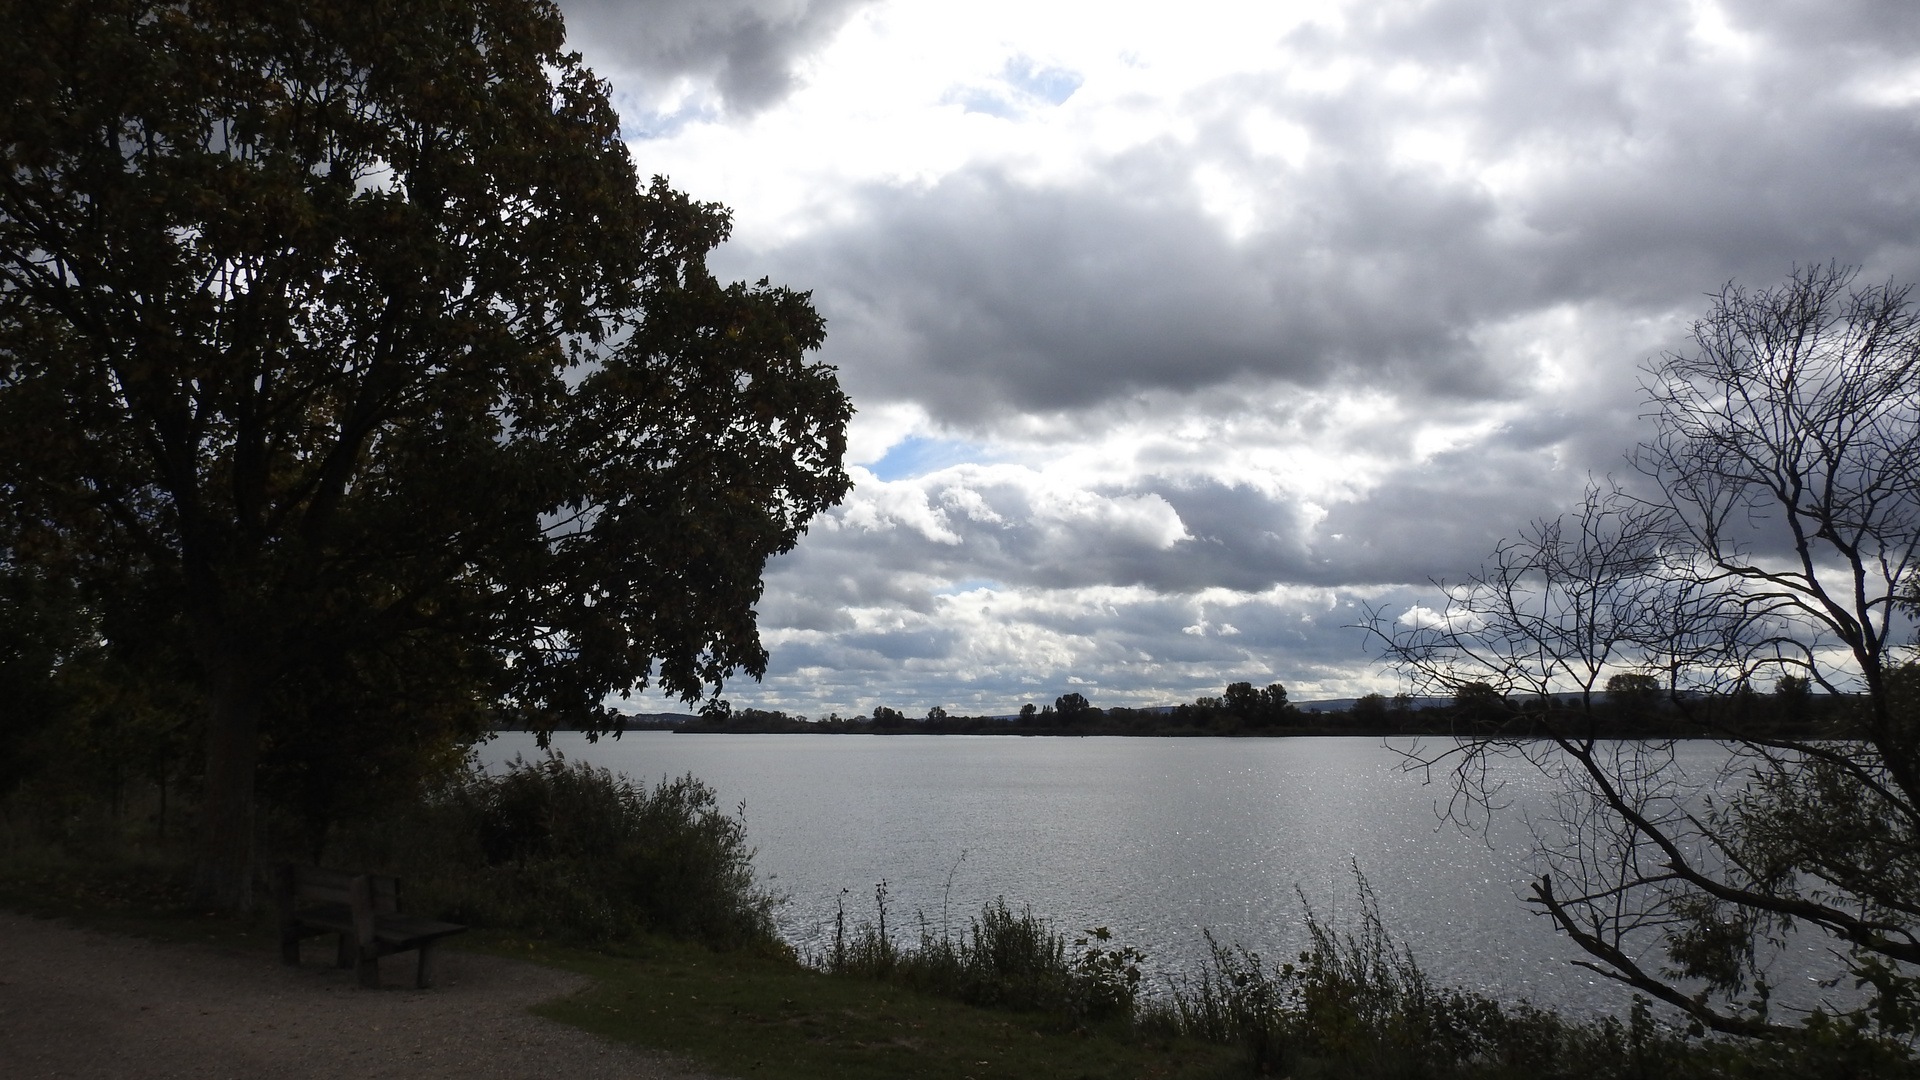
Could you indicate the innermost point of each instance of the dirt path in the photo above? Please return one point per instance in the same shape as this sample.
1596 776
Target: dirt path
79 1004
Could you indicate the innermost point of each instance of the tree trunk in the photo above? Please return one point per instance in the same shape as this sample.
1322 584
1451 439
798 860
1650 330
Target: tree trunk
223 870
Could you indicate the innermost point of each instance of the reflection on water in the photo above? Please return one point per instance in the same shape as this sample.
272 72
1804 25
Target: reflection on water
1156 838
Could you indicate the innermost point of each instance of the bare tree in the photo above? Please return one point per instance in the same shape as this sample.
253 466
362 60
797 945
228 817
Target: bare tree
1783 527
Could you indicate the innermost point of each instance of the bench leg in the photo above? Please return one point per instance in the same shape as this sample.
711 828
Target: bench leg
369 966
290 947
345 955
423 978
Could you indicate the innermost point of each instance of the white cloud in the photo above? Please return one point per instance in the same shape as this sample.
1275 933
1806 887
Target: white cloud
878 428
1421 617
1169 319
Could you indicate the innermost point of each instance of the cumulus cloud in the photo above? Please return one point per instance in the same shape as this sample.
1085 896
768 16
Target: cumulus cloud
989 650
1451 168
1176 338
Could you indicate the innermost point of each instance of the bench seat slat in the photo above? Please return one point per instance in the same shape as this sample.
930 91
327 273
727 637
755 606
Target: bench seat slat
405 932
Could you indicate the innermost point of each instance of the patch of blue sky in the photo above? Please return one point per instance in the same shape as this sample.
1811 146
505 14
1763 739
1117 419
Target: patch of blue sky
640 123
1023 84
1050 84
917 456
988 103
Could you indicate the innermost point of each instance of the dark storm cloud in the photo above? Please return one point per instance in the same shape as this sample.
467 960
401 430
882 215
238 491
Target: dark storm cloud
1643 171
1235 538
982 294
747 48
1439 521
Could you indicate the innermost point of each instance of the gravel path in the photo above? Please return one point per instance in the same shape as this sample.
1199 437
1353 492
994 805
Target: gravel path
79 1004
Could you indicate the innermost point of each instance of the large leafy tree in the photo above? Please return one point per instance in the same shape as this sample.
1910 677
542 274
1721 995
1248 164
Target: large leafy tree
1776 542
340 341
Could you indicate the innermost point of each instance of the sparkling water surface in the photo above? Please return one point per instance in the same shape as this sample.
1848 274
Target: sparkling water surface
1157 839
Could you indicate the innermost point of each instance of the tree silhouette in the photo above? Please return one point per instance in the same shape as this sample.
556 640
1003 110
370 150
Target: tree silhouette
346 335
1779 536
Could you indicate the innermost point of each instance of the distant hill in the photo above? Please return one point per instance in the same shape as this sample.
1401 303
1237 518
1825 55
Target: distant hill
1342 704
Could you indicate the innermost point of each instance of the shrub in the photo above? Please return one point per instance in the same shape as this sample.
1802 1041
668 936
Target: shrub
1003 959
568 851
1358 1005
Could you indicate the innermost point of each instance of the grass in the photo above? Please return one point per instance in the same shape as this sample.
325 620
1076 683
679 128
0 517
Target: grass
650 893
759 1016
748 1011
1003 959
1355 1008
741 1012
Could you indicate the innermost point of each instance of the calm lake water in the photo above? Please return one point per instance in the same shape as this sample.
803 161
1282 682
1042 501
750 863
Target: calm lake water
1158 839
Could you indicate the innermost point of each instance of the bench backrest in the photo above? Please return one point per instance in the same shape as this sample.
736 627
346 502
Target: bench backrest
300 886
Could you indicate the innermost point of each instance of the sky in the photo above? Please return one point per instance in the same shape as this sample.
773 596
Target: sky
1183 335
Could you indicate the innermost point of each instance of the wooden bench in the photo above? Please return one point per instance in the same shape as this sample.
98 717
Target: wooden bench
364 909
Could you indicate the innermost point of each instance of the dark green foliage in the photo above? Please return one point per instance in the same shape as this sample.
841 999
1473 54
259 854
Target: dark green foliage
581 855
1003 959
41 628
1356 1005
352 734
90 727
342 350
1355 1001
1369 710
1074 709
1793 697
1353 1005
1241 707
1476 706
1107 975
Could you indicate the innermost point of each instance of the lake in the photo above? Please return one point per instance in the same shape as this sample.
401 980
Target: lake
1158 839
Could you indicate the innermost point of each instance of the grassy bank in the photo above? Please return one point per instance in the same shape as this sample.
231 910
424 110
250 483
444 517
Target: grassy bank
1352 1007
649 891
737 1012
758 1016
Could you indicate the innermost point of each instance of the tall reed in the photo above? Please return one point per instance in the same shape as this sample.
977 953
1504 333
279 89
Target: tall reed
1357 1005
1002 959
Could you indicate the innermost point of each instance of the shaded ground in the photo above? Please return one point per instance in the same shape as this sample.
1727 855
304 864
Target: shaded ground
75 1003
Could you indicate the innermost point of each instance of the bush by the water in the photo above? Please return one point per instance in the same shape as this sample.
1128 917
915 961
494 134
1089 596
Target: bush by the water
1002 959
584 856
578 854
1355 1005
1358 1006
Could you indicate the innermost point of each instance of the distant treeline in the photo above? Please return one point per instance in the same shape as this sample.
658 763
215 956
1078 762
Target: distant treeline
1632 706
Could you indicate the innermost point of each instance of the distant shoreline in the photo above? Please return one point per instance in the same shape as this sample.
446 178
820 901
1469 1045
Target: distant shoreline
1436 723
